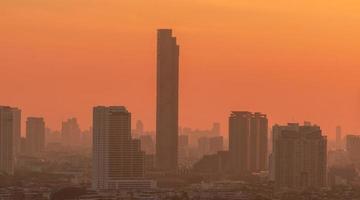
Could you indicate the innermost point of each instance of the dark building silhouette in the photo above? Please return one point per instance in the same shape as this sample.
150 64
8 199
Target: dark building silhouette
7 140
353 148
338 141
248 141
167 101
17 130
35 135
117 158
258 143
299 156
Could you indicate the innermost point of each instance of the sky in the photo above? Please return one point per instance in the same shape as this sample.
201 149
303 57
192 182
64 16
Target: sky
293 60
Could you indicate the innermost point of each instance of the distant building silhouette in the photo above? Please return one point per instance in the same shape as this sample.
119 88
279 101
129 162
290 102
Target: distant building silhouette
258 141
183 141
8 133
86 138
338 141
167 101
183 149
218 163
139 127
299 156
70 132
17 131
35 135
216 129
117 159
204 146
353 148
147 144
248 141
216 144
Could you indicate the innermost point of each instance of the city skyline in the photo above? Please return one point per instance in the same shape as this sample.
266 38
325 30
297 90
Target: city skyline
180 100
274 60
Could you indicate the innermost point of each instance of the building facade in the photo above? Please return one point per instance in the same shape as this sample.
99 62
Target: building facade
35 135
299 156
353 148
338 140
8 123
248 141
117 158
167 101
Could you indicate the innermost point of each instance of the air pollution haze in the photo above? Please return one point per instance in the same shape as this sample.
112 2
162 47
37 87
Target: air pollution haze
182 100
295 60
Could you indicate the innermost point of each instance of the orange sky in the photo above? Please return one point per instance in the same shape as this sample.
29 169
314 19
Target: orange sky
294 60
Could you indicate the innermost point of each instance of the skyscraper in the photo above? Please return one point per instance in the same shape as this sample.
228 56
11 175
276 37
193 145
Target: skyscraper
248 141
258 139
17 131
299 156
338 138
353 148
167 101
35 135
117 158
7 134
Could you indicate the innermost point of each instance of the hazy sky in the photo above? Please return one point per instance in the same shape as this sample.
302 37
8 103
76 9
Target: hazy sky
294 60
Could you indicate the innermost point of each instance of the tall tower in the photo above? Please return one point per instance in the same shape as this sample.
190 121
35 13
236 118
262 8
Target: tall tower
338 138
117 159
35 135
17 131
167 101
7 141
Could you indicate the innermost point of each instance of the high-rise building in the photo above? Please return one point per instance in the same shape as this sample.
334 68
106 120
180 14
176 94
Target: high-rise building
248 141
258 142
299 156
353 148
17 131
70 132
167 101
338 142
117 159
35 135
183 149
7 141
